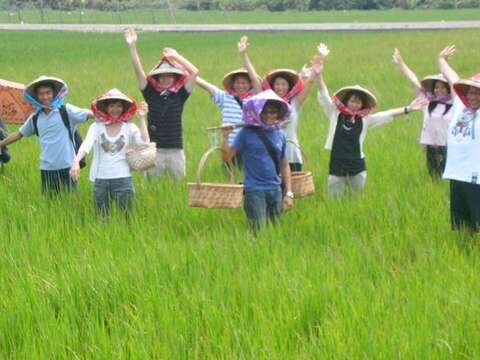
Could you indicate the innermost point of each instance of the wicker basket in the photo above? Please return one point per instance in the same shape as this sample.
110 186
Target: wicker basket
302 181
141 157
214 195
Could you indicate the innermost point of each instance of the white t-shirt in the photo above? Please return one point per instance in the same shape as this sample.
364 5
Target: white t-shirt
463 149
293 153
109 153
435 126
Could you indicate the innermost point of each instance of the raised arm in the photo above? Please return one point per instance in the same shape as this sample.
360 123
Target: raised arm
131 39
323 96
142 114
409 74
187 65
384 117
447 71
205 85
252 73
307 86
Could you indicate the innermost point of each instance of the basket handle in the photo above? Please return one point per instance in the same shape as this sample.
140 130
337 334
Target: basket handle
203 160
304 156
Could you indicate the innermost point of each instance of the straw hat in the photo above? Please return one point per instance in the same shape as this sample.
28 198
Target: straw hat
461 86
165 67
229 78
113 94
58 84
343 93
428 82
288 74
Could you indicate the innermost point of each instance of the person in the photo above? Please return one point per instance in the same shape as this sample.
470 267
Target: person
4 153
165 88
289 85
237 89
54 123
264 161
463 156
436 116
349 113
110 137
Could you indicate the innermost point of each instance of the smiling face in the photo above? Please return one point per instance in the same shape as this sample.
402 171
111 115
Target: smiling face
440 89
355 102
44 94
473 97
281 86
115 109
166 80
271 113
241 84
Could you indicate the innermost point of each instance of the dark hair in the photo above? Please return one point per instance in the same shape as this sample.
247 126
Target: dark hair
44 84
433 104
289 81
362 96
239 75
114 101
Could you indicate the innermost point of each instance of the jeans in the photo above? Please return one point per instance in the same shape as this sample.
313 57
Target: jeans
55 181
118 190
262 207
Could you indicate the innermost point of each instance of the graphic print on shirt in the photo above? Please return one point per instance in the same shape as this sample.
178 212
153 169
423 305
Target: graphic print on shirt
112 147
464 129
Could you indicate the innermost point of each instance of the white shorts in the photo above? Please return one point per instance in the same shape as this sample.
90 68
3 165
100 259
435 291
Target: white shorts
356 183
171 161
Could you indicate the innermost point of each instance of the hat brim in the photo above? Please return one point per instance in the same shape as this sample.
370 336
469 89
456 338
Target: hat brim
57 83
102 104
290 75
428 82
172 71
461 86
370 99
229 78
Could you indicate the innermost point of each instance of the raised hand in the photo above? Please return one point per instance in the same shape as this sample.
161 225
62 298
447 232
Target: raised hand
170 53
130 36
447 52
418 104
243 44
143 109
317 64
323 50
397 57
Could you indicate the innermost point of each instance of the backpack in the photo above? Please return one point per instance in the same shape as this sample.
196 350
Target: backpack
75 138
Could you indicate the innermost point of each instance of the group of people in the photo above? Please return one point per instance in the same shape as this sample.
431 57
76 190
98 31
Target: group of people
260 123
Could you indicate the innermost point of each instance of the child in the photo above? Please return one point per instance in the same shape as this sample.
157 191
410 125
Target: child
55 124
263 148
165 88
289 85
110 137
436 116
349 115
238 88
463 156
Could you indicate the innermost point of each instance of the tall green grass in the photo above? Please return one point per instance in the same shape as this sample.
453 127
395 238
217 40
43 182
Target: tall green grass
379 276
152 16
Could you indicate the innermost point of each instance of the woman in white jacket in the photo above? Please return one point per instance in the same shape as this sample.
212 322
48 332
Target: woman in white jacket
349 114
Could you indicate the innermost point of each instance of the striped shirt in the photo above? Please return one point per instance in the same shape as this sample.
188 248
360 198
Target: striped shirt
231 111
165 116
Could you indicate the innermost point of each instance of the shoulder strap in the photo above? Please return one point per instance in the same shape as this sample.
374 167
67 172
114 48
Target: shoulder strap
35 121
240 102
269 146
66 122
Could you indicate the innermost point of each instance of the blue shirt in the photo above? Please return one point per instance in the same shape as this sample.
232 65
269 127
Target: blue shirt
56 149
259 168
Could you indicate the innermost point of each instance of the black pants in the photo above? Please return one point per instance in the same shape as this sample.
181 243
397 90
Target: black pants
436 159
295 166
55 181
464 205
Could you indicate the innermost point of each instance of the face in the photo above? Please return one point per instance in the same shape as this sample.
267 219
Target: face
281 86
166 80
241 85
355 103
44 95
270 115
473 97
440 89
115 109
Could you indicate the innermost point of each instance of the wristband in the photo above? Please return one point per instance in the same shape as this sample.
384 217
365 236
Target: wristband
405 110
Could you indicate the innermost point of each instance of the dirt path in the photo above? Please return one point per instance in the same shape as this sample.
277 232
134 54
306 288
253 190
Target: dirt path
438 25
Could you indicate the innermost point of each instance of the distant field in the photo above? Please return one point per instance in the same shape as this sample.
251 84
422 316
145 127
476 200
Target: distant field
377 277
246 17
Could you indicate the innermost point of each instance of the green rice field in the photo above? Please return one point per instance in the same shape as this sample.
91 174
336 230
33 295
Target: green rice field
380 276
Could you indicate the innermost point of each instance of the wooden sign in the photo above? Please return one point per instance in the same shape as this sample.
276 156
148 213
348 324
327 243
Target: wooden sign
14 109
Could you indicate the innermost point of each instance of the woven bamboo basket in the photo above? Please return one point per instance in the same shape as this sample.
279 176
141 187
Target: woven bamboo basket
302 181
214 195
141 157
